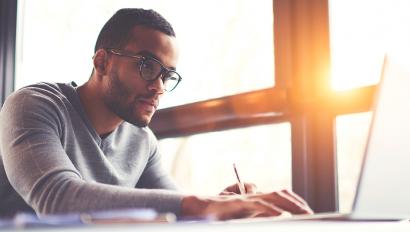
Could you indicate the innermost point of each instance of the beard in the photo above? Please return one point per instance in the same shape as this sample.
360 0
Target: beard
116 98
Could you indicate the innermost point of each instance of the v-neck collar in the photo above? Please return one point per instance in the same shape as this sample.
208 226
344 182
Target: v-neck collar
74 98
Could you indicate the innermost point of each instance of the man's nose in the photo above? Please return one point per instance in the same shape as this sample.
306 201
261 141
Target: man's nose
157 86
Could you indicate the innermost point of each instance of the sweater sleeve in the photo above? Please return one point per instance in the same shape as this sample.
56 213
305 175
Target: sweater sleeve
41 172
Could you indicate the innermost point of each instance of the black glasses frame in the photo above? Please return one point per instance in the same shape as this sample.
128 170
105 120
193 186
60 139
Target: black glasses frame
163 73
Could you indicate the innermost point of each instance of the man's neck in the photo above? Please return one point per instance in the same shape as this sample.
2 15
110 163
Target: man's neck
102 119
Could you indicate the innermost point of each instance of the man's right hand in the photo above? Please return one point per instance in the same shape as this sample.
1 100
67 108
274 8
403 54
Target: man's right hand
244 206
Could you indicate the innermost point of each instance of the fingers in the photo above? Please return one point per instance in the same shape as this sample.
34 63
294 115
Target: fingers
286 201
250 188
264 208
297 198
247 208
284 214
231 189
228 207
227 193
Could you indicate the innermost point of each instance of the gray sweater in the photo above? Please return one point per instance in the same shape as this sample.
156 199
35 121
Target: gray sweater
53 160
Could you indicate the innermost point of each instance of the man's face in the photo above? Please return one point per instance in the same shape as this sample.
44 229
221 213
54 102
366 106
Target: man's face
126 94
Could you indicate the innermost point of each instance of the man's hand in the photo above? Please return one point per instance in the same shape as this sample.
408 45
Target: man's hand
250 188
286 200
244 206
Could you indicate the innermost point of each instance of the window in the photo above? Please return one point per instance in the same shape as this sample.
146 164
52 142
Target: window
362 35
226 46
360 38
203 163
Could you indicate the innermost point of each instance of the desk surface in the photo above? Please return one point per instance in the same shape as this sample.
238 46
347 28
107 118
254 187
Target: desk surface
304 226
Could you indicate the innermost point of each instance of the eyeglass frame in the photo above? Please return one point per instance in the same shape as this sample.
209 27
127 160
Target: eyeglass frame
164 70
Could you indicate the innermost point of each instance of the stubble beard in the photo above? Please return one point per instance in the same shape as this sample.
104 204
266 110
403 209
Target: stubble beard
116 100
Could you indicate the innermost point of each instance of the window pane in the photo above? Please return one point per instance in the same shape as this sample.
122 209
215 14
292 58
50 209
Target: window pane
226 47
203 164
361 32
352 132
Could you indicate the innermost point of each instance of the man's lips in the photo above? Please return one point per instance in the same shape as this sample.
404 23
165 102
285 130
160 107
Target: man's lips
151 102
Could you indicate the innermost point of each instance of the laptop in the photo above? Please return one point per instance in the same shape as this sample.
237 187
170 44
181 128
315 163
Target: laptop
383 191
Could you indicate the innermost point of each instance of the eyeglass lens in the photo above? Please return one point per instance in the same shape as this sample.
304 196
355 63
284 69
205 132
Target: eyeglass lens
151 70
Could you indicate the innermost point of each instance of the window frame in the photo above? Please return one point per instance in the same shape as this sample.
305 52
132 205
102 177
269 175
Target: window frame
8 19
302 96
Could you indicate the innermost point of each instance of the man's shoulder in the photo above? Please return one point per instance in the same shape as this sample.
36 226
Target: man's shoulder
51 92
40 97
42 88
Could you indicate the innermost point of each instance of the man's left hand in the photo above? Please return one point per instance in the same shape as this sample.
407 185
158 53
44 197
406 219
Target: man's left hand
250 188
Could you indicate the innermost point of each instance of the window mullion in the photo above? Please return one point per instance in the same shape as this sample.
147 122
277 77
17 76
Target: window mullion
8 17
236 111
302 59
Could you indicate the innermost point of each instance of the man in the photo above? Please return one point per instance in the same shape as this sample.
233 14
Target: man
67 149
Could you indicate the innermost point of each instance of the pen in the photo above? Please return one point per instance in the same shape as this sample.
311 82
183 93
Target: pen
241 186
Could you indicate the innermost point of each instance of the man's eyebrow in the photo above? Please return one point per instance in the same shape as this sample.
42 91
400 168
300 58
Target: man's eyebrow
152 55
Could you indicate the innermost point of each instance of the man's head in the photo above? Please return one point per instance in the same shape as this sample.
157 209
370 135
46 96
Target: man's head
134 63
116 31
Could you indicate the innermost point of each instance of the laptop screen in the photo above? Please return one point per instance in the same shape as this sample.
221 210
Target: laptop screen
384 186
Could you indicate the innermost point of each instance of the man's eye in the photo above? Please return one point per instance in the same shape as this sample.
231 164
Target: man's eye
171 78
153 66
148 65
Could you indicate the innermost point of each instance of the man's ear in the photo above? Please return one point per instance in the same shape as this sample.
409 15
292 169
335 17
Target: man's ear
100 61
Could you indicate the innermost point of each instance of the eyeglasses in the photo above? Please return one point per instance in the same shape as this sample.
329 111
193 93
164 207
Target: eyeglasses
151 69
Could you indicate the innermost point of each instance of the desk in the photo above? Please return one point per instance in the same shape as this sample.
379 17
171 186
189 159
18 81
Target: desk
302 226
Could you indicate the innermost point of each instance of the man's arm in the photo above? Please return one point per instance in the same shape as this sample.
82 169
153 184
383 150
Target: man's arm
41 172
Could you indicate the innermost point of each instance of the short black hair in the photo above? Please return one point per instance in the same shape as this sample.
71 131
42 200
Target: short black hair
116 31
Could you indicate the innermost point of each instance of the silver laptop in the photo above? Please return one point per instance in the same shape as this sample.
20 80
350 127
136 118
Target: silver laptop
383 191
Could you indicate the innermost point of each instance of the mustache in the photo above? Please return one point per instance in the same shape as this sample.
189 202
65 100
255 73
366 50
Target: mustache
148 95
151 98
